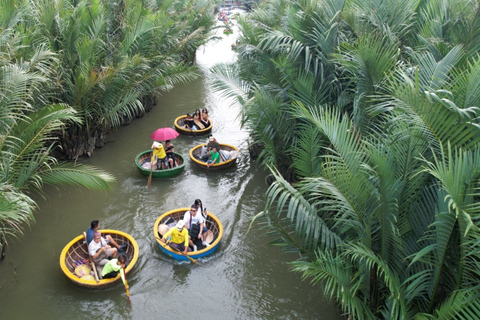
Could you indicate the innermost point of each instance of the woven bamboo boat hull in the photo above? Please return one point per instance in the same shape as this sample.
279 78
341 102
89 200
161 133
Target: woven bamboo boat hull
180 129
77 250
164 173
212 223
195 156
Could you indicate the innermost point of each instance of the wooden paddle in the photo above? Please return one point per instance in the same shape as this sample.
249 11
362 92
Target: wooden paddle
190 258
91 260
149 182
125 278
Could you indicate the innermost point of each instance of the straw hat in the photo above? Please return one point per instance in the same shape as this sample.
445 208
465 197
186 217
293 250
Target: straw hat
82 270
209 238
162 229
88 277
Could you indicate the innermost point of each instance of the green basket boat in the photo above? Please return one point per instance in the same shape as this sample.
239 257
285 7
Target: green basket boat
145 157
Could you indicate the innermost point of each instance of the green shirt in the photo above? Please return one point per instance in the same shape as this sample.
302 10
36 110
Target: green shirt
215 157
111 266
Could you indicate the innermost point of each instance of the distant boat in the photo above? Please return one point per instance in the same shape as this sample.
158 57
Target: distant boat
169 220
75 263
143 164
195 155
181 129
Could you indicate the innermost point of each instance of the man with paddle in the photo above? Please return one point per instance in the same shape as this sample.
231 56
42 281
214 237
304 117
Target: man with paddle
179 237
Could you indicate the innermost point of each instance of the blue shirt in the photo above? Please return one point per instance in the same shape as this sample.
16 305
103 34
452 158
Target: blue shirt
90 233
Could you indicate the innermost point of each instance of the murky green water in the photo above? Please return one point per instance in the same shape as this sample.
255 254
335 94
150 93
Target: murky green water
243 279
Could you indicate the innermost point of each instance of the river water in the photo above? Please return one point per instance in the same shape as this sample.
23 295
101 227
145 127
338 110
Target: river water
243 279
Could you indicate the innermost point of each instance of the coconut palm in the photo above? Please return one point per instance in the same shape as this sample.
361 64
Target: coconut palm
383 207
114 59
27 137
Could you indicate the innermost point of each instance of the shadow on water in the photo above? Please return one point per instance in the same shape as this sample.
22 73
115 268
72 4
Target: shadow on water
243 279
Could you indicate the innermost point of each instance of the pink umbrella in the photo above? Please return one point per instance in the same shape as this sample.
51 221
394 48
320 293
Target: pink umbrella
163 134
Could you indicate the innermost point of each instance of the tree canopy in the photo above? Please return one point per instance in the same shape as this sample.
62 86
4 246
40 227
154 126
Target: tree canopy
368 114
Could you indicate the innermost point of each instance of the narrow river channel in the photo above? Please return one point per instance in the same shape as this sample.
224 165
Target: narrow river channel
243 279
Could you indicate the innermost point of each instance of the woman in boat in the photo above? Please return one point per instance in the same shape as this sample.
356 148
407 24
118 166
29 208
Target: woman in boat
204 118
169 150
188 123
197 117
203 212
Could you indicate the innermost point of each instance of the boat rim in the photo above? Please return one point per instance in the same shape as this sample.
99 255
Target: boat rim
192 253
94 283
193 131
204 164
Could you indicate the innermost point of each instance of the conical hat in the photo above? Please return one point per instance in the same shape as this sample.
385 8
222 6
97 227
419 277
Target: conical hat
209 238
88 277
162 229
82 270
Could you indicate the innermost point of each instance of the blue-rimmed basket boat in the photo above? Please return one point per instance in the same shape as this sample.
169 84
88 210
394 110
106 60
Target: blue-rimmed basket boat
180 129
195 155
172 217
145 156
77 250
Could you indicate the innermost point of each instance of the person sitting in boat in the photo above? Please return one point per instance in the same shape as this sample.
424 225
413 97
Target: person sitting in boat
204 119
203 212
194 223
214 157
94 225
113 267
179 237
159 156
169 150
99 250
212 142
197 117
188 122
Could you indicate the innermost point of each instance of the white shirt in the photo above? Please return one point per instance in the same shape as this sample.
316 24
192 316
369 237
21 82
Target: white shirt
195 219
93 247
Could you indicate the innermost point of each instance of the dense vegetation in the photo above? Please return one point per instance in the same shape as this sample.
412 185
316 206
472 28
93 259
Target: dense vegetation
367 112
71 71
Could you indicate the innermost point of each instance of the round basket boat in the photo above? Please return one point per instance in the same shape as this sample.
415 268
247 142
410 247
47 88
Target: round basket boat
74 259
144 158
171 218
195 155
180 129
